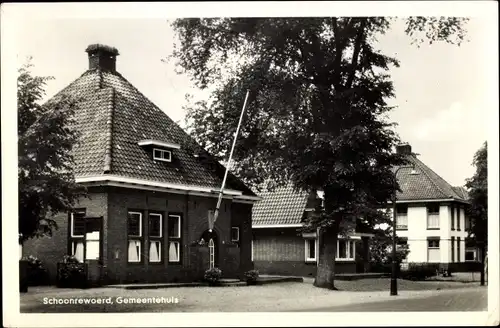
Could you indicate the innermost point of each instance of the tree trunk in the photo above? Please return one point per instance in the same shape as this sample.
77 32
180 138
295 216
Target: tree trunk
483 255
325 275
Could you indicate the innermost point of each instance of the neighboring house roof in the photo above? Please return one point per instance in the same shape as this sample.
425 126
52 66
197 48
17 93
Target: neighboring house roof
425 185
282 206
114 116
461 191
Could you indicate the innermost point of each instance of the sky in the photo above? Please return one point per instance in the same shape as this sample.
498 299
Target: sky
441 96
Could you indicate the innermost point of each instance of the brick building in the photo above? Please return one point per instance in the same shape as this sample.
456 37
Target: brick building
280 247
150 191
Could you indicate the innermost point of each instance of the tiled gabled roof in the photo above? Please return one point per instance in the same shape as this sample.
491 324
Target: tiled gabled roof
286 206
425 185
281 206
114 116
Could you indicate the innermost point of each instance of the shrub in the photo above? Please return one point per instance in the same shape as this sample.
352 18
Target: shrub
251 277
36 274
71 273
212 276
420 271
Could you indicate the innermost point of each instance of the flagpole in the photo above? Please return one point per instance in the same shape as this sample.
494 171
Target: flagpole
221 191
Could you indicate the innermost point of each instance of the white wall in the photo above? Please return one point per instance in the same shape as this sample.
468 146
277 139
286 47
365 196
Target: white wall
418 233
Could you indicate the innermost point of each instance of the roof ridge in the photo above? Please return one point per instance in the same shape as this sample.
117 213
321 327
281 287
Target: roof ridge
420 164
109 132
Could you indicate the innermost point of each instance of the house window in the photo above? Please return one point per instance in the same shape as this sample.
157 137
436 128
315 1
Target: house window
401 244
310 250
162 155
134 223
458 218
452 249
402 217
235 234
433 251
77 234
470 255
468 224
458 249
345 250
174 238
433 216
452 218
155 237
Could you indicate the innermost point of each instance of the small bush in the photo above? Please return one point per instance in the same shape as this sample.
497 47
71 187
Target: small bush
36 273
213 276
71 273
419 271
251 277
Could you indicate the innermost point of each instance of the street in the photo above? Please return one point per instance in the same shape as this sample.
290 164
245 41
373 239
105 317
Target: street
282 297
454 300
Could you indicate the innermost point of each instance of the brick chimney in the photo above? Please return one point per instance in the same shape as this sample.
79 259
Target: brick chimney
102 57
403 149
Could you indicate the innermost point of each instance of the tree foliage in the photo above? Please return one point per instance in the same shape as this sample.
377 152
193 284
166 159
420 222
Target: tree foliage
45 140
317 109
477 187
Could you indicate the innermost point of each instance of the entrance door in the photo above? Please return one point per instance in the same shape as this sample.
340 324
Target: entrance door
211 238
93 248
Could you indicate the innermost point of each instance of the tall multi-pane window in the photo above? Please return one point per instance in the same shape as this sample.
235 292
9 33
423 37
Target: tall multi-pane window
452 217
433 250
174 238
458 218
346 250
458 249
402 217
134 227
77 234
452 249
310 250
433 216
155 237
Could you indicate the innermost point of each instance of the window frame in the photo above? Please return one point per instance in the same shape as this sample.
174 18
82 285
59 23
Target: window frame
429 214
154 238
470 250
163 152
452 218
458 219
438 247
237 229
459 240
452 249
138 238
76 238
175 239
350 252
307 250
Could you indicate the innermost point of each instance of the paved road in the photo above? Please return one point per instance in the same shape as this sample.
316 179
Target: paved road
456 300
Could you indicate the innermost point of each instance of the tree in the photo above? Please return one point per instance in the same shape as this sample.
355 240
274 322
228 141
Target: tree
478 195
45 140
316 114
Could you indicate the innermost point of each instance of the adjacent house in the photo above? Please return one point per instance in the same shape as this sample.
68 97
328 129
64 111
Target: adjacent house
431 220
150 191
431 216
280 247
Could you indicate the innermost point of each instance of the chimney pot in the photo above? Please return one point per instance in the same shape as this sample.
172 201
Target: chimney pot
404 149
102 57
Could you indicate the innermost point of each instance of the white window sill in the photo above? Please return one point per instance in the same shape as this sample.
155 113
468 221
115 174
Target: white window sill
344 260
310 261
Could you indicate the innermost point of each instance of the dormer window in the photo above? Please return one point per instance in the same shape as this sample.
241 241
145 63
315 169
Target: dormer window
162 155
161 150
